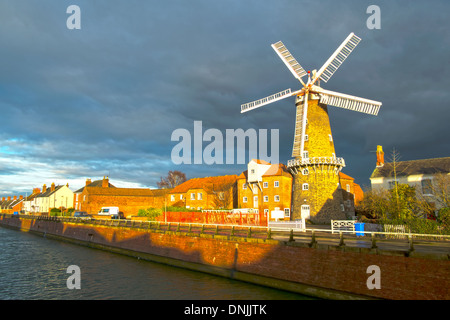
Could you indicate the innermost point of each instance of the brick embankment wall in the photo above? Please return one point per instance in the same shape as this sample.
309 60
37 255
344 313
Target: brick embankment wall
326 271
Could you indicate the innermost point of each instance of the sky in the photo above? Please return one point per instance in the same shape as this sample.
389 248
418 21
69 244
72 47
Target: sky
105 99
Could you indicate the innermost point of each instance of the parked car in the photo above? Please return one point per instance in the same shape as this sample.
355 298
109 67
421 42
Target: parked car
82 215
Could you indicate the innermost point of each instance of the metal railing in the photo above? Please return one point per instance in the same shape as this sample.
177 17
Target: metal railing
310 237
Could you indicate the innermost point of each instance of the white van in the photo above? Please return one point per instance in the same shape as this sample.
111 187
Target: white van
109 211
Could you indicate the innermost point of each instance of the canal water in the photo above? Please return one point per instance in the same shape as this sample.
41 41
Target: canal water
33 267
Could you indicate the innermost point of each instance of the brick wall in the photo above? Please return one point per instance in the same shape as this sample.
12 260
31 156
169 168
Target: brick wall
324 267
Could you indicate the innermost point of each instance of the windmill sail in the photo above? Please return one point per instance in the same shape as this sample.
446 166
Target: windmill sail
261 102
300 126
349 102
292 64
337 58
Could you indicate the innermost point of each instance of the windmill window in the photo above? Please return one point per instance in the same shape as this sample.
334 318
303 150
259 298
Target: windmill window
306 137
426 186
305 186
305 154
330 137
305 172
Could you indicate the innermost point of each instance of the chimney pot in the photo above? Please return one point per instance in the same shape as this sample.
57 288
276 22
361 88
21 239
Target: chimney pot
380 156
105 182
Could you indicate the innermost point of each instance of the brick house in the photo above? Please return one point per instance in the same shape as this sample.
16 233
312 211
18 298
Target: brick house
205 193
352 194
8 205
95 195
265 187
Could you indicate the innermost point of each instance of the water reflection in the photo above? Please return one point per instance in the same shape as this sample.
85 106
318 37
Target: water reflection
33 267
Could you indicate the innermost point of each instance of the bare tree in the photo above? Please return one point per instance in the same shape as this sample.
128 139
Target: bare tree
223 195
173 179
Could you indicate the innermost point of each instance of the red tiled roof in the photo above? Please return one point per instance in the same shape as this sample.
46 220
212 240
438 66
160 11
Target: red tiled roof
345 176
118 191
209 183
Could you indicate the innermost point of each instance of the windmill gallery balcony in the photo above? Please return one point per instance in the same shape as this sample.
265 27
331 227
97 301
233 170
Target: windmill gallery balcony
316 161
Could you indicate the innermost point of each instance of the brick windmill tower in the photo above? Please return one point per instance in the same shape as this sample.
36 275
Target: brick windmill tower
315 167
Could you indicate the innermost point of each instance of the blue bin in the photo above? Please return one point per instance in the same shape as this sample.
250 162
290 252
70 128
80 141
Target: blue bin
359 226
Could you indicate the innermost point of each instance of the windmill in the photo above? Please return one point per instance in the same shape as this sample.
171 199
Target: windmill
315 150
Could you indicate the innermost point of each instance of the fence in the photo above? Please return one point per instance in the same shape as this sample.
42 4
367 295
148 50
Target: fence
216 217
342 225
283 225
309 236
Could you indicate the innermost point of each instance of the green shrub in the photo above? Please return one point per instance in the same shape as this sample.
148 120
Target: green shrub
150 213
55 212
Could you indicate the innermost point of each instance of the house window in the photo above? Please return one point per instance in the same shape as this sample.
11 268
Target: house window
200 196
392 184
342 207
181 197
244 186
305 186
265 184
277 198
244 199
276 184
172 197
192 196
266 198
348 188
427 186
287 212
348 203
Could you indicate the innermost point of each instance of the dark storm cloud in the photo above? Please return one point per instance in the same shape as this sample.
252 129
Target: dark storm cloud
105 99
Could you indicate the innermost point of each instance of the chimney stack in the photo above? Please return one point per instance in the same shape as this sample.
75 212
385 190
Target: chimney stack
88 182
380 157
9 198
52 187
15 198
20 197
105 182
44 188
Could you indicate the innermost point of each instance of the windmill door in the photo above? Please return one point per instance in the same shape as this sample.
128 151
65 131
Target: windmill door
305 212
